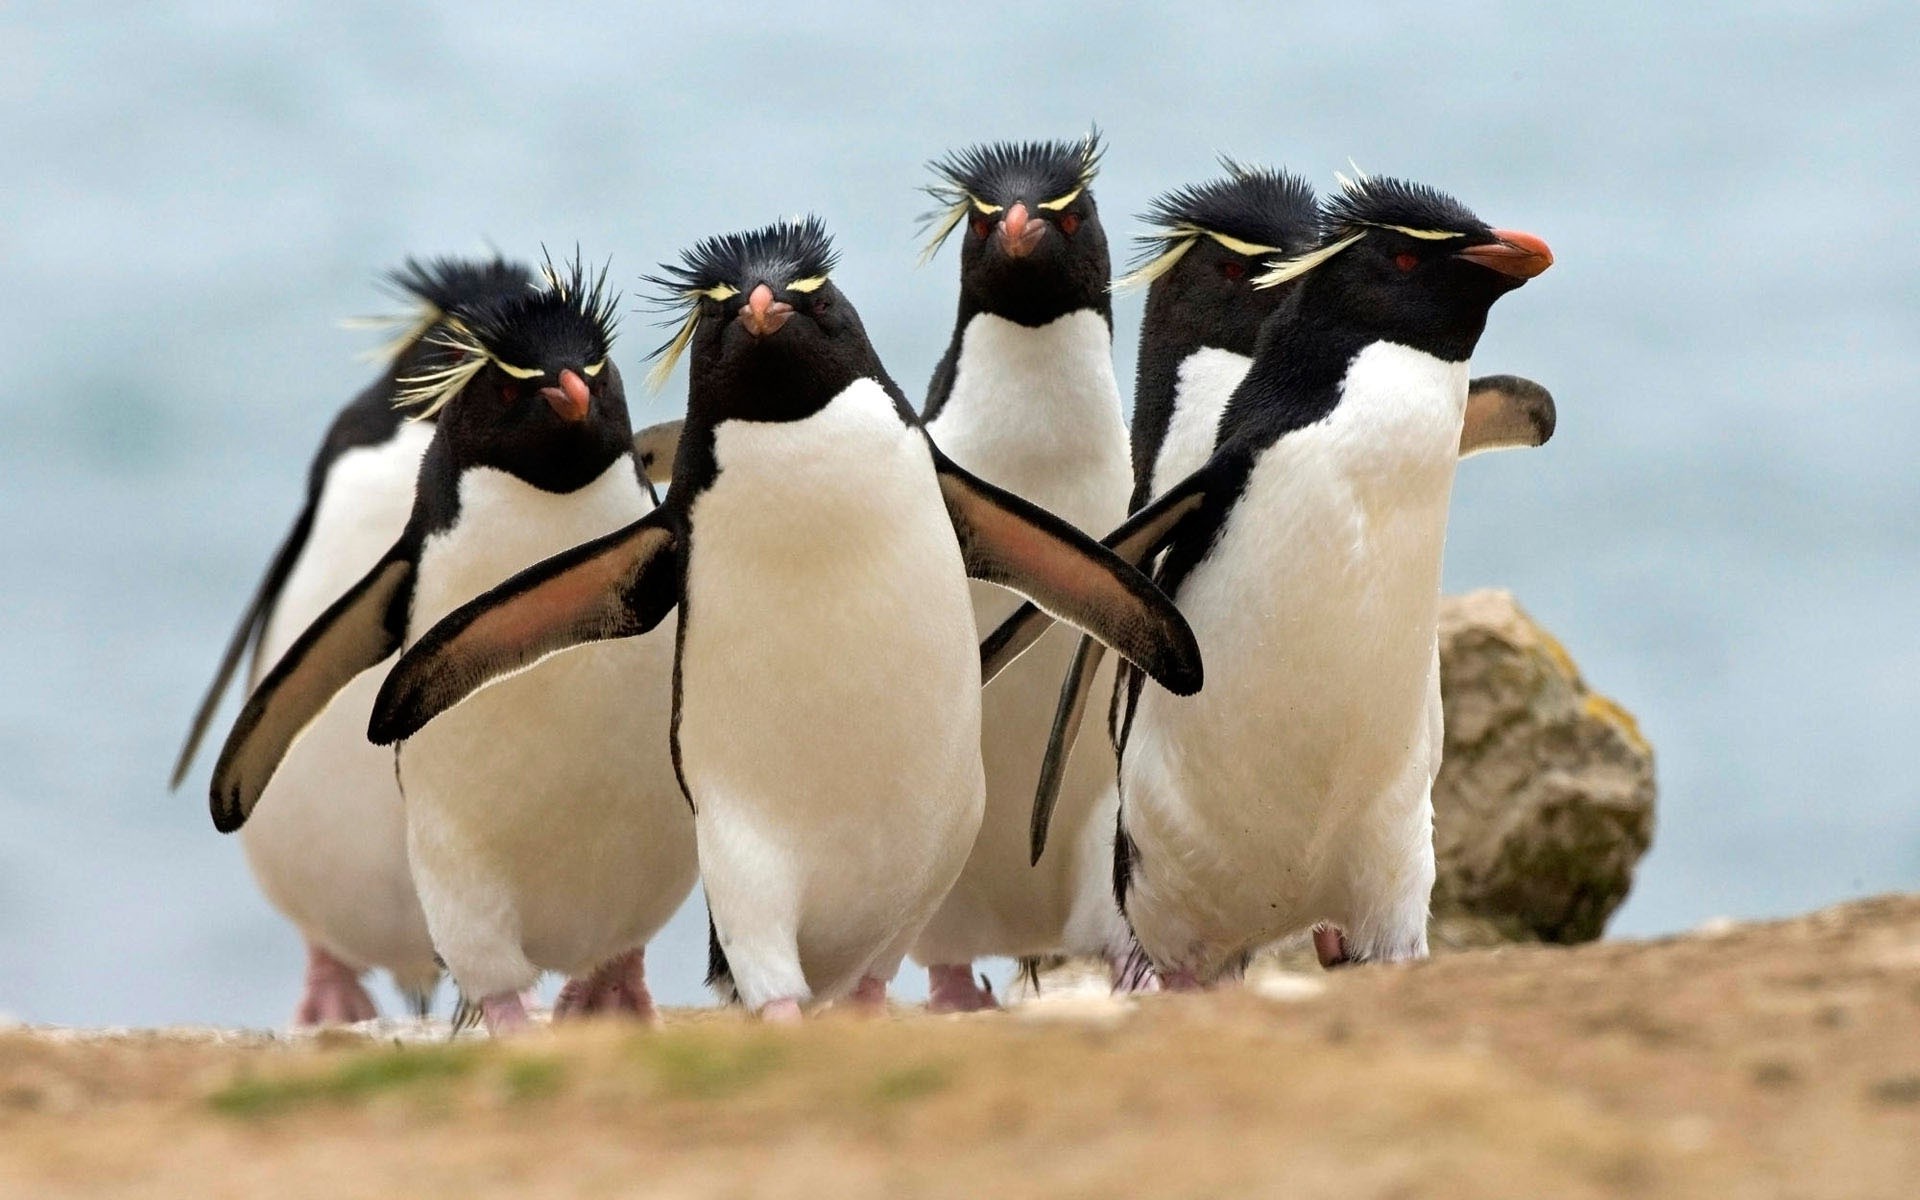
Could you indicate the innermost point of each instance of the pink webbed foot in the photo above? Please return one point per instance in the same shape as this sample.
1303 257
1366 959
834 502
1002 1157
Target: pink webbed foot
1330 946
869 996
952 988
333 995
617 986
504 1014
784 1011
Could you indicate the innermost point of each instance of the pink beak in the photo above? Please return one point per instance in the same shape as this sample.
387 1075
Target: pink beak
571 400
762 314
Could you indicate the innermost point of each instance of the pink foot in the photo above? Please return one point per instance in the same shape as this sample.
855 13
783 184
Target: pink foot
617 986
785 1011
504 1014
333 994
951 988
1330 946
1180 981
869 996
1132 972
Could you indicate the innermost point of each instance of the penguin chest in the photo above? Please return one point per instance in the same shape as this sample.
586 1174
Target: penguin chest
829 679
1316 612
1203 383
1037 411
555 785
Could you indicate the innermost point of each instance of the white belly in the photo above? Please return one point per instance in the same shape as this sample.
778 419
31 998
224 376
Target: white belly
1202 386
1294 787
829 721
327 843
544 820
1036 411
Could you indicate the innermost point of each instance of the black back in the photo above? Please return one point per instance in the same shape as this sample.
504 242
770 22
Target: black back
1068 270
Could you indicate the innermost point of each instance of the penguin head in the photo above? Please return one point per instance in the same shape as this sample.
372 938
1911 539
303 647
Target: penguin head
1032 247
1209 242
767 333
1403 262
525 382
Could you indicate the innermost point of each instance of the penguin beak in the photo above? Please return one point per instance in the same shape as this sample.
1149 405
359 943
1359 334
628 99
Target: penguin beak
1020 232
762 314
1520 255
571 400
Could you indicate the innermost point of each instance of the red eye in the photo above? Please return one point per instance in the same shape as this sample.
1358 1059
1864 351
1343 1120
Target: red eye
1406 260
1069 223
820 306
981 225
1234 270
508 393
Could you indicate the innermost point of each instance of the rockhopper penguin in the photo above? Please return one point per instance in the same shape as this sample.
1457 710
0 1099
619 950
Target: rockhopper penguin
330 849
1295 791
1025 398
826 722
545 827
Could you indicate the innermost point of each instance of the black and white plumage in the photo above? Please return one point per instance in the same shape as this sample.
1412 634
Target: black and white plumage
330 852
1208 243
544 823
1025 397
1306 553
826 719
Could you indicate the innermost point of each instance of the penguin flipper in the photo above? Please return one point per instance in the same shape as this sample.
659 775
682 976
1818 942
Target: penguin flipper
1074 692
616 586
1506 412
1137 540
657 445
1019 545
253 623
363 626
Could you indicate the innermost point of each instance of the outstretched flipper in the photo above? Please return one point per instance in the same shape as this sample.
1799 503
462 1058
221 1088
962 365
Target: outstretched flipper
657 445
1141 537
358 630
1506 412
617 586
253 624
1018 545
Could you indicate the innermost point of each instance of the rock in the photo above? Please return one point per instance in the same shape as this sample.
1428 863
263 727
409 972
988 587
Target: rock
1545 799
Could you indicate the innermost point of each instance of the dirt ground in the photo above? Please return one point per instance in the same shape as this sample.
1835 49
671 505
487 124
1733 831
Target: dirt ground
1778 1060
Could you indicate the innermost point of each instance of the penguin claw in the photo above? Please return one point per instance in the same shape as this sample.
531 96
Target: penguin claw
784 1011
333 994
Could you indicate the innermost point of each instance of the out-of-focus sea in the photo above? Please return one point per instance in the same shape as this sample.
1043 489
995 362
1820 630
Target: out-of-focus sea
1725 531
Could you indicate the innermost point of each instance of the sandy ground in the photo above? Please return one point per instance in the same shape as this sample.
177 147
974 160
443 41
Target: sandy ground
1777 1060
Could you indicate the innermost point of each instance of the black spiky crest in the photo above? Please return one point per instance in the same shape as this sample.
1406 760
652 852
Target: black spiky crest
794 254
995 174
1250 210
1384 203
1375 202
446 282
569 320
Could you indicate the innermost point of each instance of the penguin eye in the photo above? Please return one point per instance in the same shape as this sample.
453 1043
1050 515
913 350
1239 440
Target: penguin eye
981 225
820 306
1406 260
1069 223
1234 270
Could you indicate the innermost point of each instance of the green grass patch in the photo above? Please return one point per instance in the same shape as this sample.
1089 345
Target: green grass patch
699 1067
356 1079
532 1078
910 1083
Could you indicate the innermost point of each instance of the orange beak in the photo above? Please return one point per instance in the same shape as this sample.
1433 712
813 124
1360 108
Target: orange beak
762 314
571 400
1520 255
1020 232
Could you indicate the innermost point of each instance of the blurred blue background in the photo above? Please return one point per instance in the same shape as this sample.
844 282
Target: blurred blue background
1723 531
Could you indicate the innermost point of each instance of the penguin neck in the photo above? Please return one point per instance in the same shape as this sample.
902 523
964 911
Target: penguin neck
547 465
